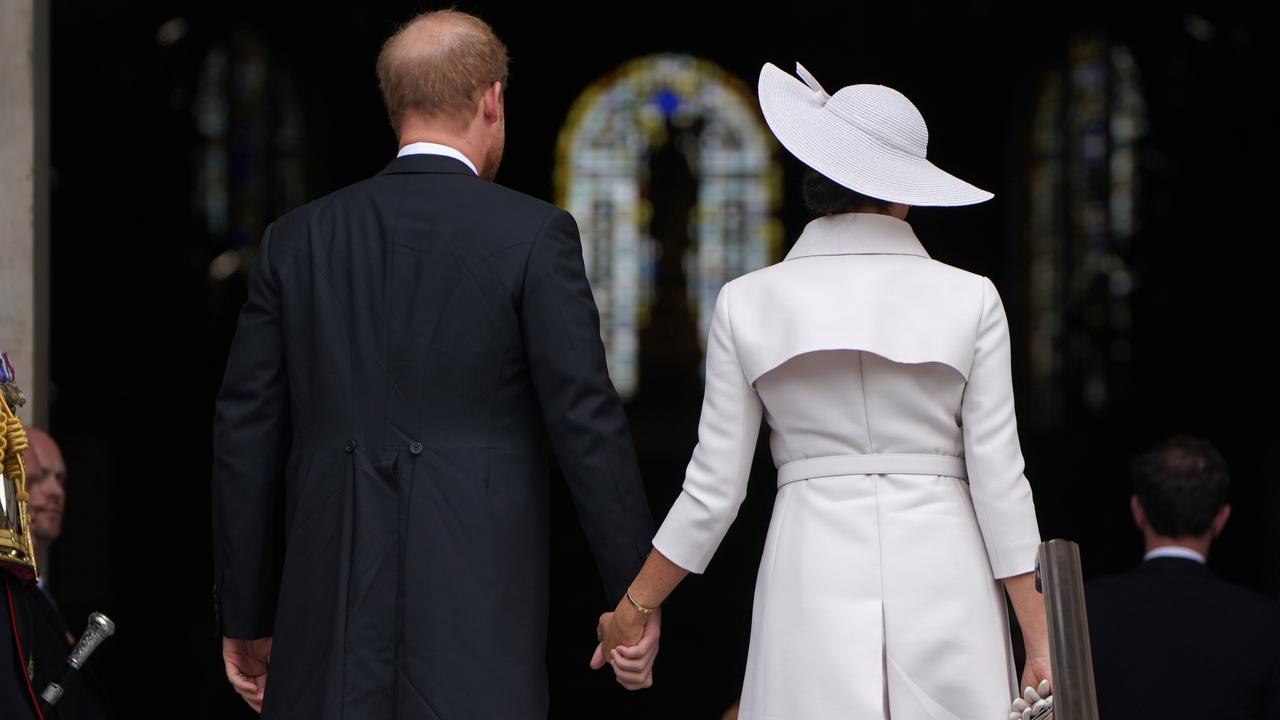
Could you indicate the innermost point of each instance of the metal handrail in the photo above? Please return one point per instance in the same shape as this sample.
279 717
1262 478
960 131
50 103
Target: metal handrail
1059 578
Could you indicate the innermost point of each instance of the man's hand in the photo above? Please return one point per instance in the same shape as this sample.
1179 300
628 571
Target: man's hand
622 627
632 649
246 663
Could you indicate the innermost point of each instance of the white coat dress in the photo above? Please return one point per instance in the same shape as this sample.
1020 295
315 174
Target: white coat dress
884 377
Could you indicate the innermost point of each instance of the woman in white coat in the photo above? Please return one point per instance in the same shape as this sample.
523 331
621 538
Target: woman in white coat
884 377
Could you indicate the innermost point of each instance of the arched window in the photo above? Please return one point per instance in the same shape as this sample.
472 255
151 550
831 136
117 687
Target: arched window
1083 216
672 176
250 165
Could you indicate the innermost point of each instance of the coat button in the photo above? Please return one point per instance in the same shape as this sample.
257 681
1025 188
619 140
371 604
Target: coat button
415 448
350 446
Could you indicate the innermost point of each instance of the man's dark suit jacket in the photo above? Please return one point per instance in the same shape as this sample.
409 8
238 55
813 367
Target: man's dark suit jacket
1172 641
410 347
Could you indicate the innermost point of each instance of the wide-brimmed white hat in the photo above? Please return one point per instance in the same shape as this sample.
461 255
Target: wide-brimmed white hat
868 138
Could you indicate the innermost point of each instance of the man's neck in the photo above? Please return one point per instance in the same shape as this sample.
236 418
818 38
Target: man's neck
466 145
416 148
1199 546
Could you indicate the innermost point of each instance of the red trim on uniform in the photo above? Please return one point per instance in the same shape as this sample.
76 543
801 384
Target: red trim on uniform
22 661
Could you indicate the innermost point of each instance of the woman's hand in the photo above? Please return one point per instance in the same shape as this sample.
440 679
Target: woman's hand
628 637
620 628
1035 671
632 660
1028 605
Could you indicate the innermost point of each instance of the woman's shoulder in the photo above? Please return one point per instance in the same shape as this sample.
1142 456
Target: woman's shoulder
906 309
892 274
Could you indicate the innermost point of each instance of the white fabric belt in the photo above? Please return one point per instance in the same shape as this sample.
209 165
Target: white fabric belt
884 464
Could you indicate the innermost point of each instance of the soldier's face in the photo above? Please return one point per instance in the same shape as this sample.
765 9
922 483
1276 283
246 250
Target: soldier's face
46 478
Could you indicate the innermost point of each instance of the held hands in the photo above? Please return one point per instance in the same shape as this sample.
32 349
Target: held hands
629 643
246 664
629 635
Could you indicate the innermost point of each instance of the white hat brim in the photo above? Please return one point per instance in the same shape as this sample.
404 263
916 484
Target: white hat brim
849 156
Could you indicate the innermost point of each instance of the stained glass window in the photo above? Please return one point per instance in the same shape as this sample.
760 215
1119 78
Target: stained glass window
250 165
666 157
1083 178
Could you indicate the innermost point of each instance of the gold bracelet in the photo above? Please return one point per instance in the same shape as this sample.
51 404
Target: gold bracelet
640 608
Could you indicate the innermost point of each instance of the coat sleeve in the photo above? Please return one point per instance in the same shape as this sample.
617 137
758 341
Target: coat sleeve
993 455
715 482
581 410
250 445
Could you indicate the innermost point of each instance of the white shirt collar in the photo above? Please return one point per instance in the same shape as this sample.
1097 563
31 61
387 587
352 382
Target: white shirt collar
429 148
1174 551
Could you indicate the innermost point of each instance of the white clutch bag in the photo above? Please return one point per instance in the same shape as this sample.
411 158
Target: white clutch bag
1035 704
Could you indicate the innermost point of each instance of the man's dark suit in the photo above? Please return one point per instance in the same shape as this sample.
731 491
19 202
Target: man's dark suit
409 346
1172 641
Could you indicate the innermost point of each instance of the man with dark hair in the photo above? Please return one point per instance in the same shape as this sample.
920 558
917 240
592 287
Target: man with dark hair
1170 640
414 348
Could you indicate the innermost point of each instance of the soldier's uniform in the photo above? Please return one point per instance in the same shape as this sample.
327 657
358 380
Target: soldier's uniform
34 638
17 559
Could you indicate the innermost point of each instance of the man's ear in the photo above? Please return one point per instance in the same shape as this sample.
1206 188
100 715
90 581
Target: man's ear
1220 521
1139 515
491 103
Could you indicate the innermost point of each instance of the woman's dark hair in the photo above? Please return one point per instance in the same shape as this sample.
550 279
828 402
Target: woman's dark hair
823 197
1181 484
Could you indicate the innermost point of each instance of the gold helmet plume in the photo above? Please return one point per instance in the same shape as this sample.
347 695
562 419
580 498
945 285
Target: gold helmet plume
16 555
